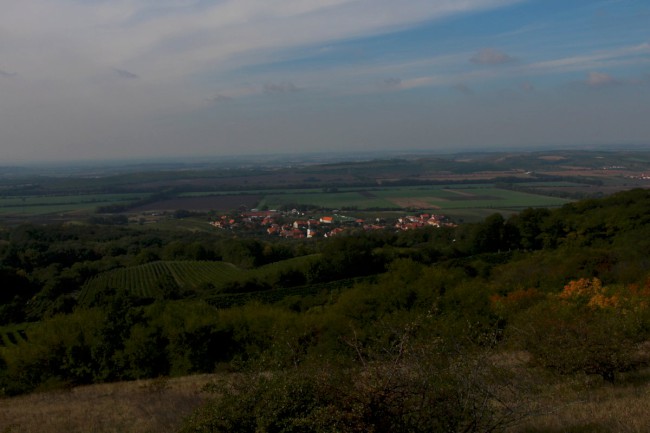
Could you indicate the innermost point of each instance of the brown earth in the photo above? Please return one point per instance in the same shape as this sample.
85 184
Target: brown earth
413 203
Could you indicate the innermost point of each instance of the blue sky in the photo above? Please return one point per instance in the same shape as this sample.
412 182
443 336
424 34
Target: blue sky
92 79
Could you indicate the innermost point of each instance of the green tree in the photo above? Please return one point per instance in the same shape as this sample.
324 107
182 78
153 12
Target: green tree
529 225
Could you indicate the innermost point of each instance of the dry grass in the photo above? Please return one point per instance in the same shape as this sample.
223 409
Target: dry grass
582 405
578 404
593 406
156 406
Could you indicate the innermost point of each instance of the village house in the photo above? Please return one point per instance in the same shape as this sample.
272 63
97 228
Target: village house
325 226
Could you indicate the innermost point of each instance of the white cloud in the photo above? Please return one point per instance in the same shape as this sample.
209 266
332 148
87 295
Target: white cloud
189 38
617 56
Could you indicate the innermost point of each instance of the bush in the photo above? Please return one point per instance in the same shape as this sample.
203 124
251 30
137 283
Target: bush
581 338
411 386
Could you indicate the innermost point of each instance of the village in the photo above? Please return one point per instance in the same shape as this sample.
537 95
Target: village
297 225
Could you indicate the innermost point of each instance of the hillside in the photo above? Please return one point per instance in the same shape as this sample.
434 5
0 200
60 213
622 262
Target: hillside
484 324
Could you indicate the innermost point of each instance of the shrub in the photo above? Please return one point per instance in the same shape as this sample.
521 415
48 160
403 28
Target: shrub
410 386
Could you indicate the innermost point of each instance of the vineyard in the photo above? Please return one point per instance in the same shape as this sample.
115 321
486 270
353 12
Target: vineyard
13 335
147 281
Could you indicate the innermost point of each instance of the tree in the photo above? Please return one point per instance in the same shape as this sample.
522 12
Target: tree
529 225
583 329
168 287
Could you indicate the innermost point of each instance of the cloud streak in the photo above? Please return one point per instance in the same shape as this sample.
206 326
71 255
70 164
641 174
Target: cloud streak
167 43
115 71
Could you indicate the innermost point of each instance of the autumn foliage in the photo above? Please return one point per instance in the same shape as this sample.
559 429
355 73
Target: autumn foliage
586 328
589 291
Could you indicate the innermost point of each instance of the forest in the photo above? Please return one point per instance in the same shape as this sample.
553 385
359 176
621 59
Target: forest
450 329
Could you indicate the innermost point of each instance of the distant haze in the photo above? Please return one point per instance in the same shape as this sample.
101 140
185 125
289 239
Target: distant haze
115 79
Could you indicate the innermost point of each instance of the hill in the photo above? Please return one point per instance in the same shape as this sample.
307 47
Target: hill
484 324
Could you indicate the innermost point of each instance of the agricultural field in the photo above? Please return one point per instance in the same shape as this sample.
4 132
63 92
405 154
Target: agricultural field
439 198
49 204
152 279
462 184
148 280
202 203
13 335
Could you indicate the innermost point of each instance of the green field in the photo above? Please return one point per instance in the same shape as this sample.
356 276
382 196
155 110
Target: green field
462 199
441 198
49 204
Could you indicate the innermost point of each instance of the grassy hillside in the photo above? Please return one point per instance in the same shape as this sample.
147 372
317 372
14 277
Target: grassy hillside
157 405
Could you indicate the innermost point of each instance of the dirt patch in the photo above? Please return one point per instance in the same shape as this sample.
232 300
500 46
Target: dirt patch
413 203
463 193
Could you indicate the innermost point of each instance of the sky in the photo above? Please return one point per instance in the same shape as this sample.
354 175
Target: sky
115 79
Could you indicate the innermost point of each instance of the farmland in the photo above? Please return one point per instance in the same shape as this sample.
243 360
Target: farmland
442 199
192 277
13 335
48 204
147 281
452 200
458 185
205 203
